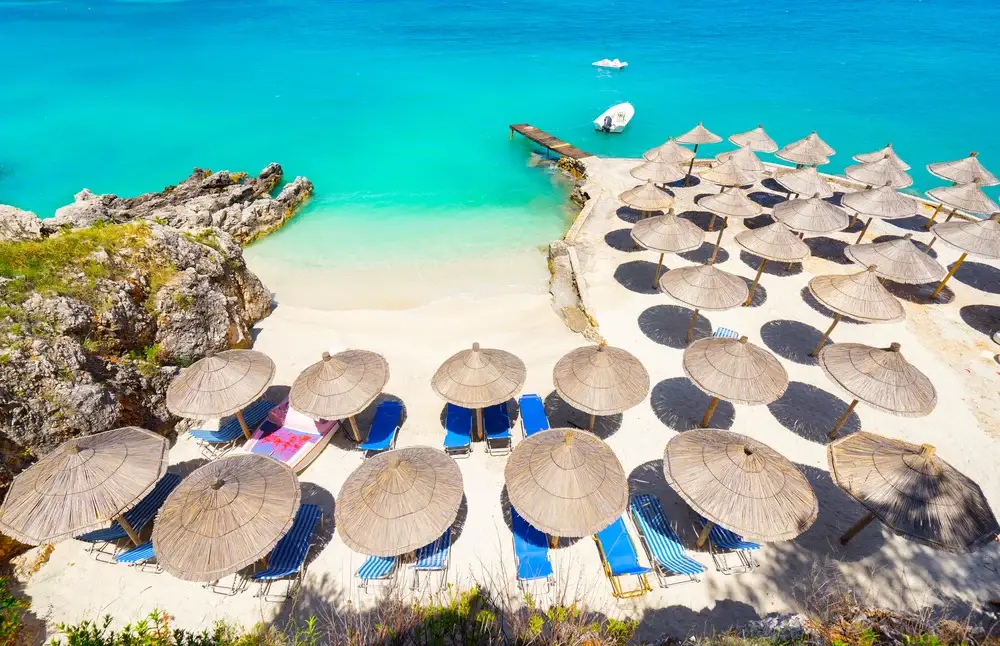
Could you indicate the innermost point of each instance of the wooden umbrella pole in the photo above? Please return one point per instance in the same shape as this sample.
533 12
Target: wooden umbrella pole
857 527
656 276
711 224
132 534
950 215
929 245
593 420
703 536
927 227
951 272
854 218
756 279
687 178
243 424
354 429
826 335
843 420
479 422
708 413
864 230
553 542
690 332
718 241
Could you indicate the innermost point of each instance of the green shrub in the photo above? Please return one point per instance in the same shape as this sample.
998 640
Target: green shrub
12 608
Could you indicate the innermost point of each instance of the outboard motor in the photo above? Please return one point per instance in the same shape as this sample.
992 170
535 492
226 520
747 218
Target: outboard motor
607 124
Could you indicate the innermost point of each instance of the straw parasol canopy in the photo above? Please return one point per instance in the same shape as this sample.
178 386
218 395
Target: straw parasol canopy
967 197
734 370
733 203
667 234
883 202
811 215
774 242
740 484
879 173
813 141
704 287
697 136
898 260
224 516
220 384
566 482
340 386
478 378
809 151
670 152
889 151
755 139
728 173
860 296
659 171
399 501
601 380
804 181
745 159
913 492
964 171
84 484
647 197
980 238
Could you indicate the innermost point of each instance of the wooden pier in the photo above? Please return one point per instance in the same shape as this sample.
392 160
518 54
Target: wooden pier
546 140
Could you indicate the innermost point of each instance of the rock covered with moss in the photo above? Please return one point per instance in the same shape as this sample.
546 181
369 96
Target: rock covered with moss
17 225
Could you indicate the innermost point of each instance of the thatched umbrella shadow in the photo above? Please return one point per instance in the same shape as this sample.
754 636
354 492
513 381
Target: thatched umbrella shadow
554 542
772 185
365 417
828 249
630 215
811 301
621 239
667 325
768 200
759 293
771 268
703 254
919 244
647 478
759 221
812 412
919 294
985 278
692 180
914 223
699 218
638 276
562 415
276 393
792 340
313 494
187 467
680 405
982 318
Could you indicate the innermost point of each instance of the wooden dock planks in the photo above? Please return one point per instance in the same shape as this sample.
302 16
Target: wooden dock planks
546 140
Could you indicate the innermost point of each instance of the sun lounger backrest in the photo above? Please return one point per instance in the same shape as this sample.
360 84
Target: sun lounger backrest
661 540
619 551
458 420
291 550
496 419
140 515
531 549
435 555
726 333
376 567
533 417
384 425
138 554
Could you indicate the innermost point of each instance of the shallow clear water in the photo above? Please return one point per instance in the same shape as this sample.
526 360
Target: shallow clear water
398 111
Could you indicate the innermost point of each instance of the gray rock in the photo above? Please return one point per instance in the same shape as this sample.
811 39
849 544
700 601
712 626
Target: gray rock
63 314
86 210
17 225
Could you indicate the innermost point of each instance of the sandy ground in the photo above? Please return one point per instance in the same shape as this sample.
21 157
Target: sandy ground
947 341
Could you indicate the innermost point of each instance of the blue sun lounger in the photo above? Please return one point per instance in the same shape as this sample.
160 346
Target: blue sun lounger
664 549
722 542
726 333
531 553
376 569
620 559
289 556
138 517
533 418
382 434
496 423
458 431
216 443
139 556
433 558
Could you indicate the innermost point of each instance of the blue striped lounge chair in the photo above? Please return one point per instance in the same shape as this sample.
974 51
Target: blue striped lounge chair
138 517
726 333
620 560
723 542
139 556
533 418
288 558
433 559
376 569
531 553
214 444
382 434
663 547
496 423
458 431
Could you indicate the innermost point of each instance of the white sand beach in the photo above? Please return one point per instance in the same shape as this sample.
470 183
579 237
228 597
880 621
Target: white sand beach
947 340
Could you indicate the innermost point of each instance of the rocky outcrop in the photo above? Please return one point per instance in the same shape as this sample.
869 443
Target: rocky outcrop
240 205
17 225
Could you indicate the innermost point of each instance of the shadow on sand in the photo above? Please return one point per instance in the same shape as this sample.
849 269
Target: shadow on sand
680 405
812 412
667 325
637 276
792 340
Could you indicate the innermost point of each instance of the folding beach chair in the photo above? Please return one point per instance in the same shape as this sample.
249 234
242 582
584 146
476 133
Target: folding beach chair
531 554
533 418
140 556
723 542
382 434
726 333
433 558
138 517
288 558
496 422
377 569
458 431
663 548
620 559
214 444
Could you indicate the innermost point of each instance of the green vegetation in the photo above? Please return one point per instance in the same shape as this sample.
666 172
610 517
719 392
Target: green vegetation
12 609
206 237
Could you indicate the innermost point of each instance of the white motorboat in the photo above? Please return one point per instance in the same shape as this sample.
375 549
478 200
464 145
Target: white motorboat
615 118
610 63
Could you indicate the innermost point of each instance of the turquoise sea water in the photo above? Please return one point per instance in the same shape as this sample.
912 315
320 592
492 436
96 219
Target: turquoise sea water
398 110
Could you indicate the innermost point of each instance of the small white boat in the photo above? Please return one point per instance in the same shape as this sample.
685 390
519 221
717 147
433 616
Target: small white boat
614 64
615 118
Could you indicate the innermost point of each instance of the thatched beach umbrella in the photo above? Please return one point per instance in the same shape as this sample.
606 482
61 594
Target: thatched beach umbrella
84 484
804 181
728 173
811 215
733 203
755 139
912 491
883 172
221 384
898 260
340 386
670 152
809 151
860 296
865 158
224 516
735 371
965 197
746 160
703 287
774 242
658 171
980 238
879 377
884 203
738 483
697 136
478 378
399 501
600 380
667 234
964 171
647 197
566 483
